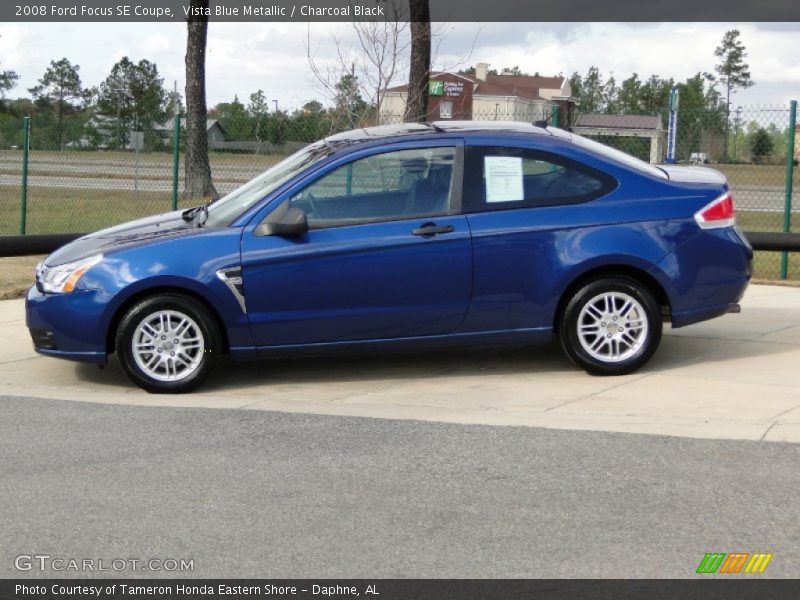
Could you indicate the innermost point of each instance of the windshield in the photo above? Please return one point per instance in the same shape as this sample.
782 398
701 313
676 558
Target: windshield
618 156
232 206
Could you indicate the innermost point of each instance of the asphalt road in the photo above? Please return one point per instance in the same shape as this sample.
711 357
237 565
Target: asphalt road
100 183
248 493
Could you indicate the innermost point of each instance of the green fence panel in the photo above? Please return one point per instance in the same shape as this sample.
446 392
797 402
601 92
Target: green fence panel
176 158
23 191
787 208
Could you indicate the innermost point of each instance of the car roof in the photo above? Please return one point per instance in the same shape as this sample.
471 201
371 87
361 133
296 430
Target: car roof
391 131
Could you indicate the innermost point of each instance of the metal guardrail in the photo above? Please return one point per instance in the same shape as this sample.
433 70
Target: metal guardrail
773 242
28 245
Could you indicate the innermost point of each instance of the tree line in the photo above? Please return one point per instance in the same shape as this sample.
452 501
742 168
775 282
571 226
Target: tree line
133 97
705 106
65 113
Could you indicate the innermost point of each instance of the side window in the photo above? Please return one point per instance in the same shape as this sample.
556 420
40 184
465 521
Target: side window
504 178
383 187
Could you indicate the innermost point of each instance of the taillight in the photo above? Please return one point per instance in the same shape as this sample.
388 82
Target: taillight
719 213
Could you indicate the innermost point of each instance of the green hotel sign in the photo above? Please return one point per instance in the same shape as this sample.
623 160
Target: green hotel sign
436 88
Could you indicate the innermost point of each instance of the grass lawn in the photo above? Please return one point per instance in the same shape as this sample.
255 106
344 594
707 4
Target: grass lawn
754 175
68 210
17 275
767 266
765 221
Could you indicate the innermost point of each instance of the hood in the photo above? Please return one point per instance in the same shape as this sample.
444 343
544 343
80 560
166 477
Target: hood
686 174
133 233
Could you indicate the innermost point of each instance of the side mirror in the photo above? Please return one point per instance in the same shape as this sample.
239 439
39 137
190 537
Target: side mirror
292 223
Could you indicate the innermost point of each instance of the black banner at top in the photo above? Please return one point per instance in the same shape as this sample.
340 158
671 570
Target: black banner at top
397 10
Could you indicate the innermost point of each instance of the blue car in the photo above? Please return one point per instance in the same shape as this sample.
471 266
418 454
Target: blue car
405 237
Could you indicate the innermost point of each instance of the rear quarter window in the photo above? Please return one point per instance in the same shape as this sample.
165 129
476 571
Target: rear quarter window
619 156
502 178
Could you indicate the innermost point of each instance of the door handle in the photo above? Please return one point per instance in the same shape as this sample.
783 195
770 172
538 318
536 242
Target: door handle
431 229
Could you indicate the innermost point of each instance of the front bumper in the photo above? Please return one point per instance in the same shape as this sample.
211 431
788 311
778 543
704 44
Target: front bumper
67 325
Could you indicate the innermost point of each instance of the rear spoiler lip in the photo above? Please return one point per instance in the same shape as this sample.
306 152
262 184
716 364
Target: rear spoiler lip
693 174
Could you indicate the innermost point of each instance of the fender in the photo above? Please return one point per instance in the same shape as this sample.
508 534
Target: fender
587 250
131 272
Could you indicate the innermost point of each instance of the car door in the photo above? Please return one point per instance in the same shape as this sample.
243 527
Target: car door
524 207
387 255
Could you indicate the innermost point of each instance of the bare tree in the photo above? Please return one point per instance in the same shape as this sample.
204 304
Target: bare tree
355 79
198 171
420 67
367 68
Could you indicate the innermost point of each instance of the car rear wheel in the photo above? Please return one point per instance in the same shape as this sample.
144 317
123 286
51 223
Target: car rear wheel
611 326
168 343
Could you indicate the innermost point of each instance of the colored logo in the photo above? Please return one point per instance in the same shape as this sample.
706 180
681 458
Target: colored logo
735 562
436 88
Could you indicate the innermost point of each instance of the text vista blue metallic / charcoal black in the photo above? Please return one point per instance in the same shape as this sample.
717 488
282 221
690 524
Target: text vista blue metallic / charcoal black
405 237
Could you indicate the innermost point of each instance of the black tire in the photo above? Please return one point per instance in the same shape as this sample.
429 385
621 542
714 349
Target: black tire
203 362
646 340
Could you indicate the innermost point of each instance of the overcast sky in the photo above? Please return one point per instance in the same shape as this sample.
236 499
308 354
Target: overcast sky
243 57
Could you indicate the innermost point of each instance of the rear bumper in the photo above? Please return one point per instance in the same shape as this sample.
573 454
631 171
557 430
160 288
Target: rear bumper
704 314
66 325
710 274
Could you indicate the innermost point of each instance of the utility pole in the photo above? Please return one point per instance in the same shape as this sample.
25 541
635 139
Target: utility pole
351 112
736 122
120 133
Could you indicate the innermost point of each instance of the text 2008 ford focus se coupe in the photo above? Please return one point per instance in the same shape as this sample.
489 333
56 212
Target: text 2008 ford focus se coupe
412 236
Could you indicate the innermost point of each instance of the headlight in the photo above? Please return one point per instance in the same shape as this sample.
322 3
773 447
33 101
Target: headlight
63 278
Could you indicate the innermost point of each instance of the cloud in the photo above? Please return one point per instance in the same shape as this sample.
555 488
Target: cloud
158 44
11 41
669 50
244 57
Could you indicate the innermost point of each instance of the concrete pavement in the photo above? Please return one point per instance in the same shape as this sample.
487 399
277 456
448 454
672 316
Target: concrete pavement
736 377
270 495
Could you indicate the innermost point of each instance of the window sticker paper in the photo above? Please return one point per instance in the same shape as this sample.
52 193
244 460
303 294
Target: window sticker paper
503 178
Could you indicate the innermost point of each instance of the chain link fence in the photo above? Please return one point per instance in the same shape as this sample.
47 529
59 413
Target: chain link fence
83 174
750 147
78 183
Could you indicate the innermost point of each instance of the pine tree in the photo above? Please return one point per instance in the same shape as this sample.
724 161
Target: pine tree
732 70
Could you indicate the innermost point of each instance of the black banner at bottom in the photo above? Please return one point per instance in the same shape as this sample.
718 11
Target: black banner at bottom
399 589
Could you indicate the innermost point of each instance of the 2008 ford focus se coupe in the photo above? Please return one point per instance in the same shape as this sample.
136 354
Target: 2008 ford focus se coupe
412 236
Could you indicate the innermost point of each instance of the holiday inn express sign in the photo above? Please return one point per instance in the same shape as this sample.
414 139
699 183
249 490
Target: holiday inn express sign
435 88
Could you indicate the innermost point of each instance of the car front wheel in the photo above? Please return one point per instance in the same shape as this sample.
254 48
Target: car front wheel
168 343
611 326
